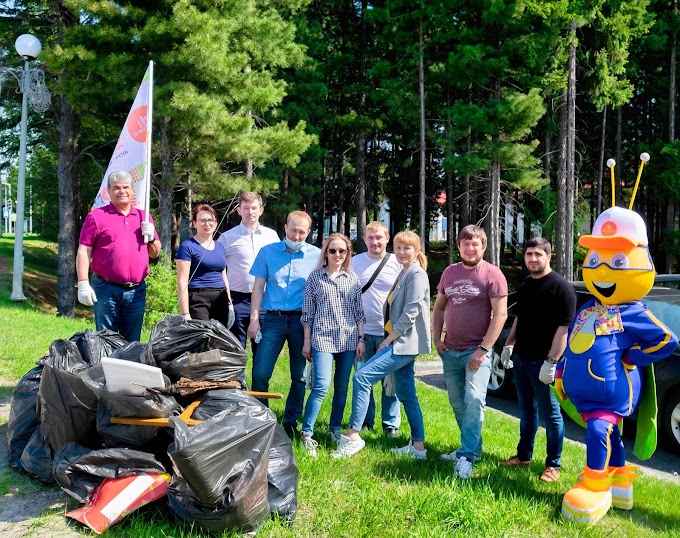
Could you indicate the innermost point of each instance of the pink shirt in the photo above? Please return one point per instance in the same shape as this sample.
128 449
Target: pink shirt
468 311
119 253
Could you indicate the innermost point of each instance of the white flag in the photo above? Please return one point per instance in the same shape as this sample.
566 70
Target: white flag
131 152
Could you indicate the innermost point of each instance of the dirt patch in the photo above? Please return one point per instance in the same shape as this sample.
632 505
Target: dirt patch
36 512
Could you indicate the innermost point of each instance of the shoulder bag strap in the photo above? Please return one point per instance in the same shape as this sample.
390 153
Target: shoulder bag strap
376 273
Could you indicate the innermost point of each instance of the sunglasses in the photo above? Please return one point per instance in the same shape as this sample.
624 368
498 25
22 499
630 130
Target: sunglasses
341 251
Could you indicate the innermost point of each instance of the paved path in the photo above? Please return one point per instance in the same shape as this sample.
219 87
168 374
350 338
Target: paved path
663 464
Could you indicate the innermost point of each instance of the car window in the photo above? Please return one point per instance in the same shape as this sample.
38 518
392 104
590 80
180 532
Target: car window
669 313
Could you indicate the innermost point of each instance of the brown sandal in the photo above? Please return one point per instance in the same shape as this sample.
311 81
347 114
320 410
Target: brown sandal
550 475
515 462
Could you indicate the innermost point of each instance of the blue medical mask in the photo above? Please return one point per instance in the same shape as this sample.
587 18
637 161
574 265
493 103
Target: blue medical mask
293 245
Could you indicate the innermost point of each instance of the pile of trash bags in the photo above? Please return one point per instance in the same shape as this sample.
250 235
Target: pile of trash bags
233 471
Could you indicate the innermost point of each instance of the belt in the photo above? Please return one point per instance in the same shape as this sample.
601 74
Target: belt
124 285
285 312
241 293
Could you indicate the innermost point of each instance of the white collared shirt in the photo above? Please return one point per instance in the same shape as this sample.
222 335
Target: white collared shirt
241 245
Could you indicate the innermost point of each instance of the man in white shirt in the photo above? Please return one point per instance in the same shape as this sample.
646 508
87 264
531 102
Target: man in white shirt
241 245
365 265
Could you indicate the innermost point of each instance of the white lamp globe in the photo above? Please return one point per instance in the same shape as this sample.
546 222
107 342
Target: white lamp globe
28 46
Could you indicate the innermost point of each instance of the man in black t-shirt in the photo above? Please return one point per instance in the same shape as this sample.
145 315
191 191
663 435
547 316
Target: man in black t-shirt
546 303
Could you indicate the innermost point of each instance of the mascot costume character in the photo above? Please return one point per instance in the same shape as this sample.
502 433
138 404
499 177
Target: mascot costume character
607 366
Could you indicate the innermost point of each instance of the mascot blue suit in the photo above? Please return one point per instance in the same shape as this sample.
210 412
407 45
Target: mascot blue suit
611 338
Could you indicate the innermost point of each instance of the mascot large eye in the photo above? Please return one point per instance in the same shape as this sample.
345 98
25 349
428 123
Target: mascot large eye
593 259
620 261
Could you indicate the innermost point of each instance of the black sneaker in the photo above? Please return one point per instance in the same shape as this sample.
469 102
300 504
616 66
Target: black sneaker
291 431
390 432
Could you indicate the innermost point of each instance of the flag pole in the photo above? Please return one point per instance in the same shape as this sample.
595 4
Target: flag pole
149 124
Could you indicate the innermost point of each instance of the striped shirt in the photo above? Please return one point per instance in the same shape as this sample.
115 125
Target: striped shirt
333 310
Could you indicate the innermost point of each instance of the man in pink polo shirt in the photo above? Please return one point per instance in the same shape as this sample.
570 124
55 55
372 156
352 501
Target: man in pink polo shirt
113 242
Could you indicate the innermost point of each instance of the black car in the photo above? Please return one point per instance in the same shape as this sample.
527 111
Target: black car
664 303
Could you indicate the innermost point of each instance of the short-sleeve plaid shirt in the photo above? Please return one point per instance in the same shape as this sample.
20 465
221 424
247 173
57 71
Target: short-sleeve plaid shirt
333 309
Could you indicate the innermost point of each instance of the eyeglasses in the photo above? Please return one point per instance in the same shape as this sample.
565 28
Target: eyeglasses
203 222
341 251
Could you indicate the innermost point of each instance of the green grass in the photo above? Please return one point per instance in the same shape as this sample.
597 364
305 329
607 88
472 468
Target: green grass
374 494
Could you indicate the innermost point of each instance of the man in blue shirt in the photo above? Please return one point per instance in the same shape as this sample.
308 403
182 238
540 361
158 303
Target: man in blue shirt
281 270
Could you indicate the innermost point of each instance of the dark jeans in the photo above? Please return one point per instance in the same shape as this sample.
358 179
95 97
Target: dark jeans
239 329
536 399
119 309
276 330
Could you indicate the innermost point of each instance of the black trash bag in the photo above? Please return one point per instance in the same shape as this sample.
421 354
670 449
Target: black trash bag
213 365
67 407
133 351
79 471
222 465
174 336
36 459
148 405
282 472
122 435
282 475
23 413
93 345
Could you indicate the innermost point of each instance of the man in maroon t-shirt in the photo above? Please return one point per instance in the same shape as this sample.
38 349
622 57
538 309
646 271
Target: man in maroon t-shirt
117 239
472 298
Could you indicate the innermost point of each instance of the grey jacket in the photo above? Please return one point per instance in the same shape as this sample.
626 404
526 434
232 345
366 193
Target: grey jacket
410 312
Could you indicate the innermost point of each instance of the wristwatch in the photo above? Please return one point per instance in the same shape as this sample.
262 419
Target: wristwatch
362 338
552 360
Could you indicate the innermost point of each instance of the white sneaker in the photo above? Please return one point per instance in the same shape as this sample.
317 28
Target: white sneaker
463 468
408 450
452 456
347 447
310 445
335 436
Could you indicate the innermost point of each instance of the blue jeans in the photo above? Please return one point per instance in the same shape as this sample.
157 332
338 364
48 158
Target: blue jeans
383 363
536 399
467 396
275 331
119 309
323 369
391 414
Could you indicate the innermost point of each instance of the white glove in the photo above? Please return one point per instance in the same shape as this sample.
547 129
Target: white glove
86 294
148 231
505 357
231 317
547 373
186 317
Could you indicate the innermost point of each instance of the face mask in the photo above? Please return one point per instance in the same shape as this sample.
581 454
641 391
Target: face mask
293 245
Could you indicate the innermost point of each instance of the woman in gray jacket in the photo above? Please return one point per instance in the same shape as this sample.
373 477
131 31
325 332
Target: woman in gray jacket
407 326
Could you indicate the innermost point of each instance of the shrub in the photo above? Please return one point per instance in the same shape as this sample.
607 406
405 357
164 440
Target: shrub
161 293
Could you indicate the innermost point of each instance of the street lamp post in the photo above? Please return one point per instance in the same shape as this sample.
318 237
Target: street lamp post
32 87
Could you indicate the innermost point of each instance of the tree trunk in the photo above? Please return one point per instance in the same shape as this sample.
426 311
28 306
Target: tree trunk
165 188
421 98
493 217
564 224
670 207
69 187
360 193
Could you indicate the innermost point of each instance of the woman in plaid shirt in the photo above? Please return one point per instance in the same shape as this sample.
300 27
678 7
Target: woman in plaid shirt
333 320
